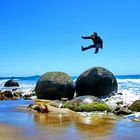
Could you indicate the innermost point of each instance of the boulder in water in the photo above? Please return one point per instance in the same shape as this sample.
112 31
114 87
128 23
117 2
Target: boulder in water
96 81
86 104
54 86
11 83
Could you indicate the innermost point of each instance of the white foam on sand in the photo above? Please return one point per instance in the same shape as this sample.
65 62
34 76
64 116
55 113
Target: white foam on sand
124 97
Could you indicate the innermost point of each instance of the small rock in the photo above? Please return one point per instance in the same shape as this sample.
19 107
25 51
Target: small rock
8 94
39 108
56 103
135 106
2 97
121 111
119 93
11 83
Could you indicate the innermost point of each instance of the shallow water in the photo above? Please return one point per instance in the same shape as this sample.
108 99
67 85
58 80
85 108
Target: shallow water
25 124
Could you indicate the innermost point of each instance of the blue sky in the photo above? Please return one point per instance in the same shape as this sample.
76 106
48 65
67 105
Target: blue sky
37 36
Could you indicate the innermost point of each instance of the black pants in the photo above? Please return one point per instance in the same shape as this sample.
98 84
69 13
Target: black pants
97 46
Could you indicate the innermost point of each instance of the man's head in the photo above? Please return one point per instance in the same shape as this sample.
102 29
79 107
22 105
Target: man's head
94 34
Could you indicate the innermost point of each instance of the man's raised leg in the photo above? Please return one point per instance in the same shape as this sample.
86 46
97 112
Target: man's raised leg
89 47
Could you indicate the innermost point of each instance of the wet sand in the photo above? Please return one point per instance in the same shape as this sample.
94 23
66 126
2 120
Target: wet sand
56 126
25 124
8 132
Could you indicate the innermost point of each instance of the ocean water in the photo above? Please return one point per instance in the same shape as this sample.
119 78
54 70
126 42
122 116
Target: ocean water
25 83
126 83
129 83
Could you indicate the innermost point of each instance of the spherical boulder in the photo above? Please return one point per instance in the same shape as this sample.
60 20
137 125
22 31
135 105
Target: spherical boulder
86 103
11 83
54 86
96 81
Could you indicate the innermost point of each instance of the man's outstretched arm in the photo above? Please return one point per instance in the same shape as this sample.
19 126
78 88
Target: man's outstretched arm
86 37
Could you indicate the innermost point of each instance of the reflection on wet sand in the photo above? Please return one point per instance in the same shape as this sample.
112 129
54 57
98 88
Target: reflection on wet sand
95 125
81 126
52 119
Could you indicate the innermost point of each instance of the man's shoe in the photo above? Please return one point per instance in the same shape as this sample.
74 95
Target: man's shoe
83 49
95 52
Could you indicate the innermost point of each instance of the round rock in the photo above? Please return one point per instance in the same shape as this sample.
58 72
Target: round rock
54 86
86 103
11 83
87 99
96 81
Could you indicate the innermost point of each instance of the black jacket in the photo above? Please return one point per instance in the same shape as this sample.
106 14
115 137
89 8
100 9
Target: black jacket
96 40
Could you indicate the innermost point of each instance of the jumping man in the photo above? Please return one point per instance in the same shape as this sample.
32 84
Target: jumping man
98 42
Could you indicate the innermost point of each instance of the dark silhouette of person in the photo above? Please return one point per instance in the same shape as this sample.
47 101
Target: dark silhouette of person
98 42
